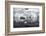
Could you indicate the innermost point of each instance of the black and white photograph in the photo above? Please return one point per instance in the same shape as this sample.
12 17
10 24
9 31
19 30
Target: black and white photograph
25 17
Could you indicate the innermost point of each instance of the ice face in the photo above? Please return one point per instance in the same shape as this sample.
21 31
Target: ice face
34 16
20 17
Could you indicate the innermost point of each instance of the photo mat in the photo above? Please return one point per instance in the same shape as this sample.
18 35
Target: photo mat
25 18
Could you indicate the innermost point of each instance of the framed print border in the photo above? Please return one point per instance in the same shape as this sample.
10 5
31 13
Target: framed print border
7 17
